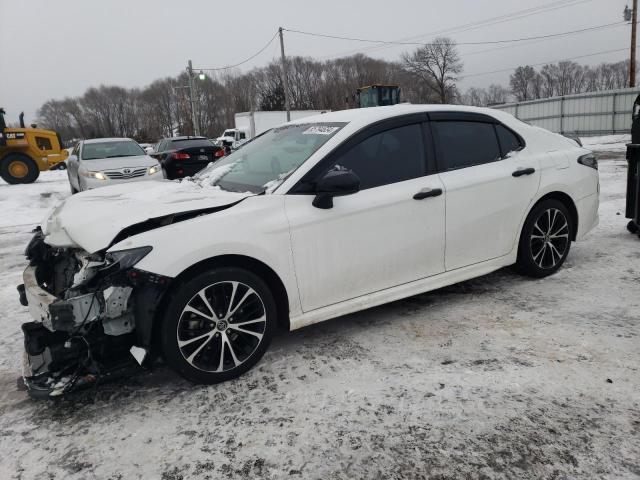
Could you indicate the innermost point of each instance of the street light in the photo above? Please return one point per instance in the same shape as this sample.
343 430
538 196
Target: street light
201 75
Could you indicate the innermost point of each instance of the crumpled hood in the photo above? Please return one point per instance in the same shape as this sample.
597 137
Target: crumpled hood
92 219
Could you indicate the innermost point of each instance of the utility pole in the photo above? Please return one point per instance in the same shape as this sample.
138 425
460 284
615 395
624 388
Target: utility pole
285 77
194 120
632 16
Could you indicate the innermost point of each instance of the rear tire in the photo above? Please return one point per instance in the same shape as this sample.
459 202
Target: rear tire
17 168
218 325
545 239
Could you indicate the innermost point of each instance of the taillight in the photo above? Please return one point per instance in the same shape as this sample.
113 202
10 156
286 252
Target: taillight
588 160
218 154
181 156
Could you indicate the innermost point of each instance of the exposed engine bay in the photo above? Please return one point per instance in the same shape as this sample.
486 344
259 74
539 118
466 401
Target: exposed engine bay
93 314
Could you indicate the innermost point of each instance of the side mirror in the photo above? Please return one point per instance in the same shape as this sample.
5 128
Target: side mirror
335 183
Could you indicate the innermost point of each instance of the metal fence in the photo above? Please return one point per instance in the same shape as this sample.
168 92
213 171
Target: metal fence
594 113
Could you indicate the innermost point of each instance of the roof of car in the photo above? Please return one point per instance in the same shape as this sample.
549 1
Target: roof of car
112 139
373 114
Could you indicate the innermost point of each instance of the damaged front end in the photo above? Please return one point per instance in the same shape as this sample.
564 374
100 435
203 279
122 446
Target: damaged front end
89 311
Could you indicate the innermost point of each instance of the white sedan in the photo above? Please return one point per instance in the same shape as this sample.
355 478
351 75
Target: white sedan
106 161
310 221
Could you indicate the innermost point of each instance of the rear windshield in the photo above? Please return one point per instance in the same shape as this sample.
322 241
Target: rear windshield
191 143
123 148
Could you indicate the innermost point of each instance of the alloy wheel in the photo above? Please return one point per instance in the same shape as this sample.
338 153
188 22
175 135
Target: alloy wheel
549 238
221 326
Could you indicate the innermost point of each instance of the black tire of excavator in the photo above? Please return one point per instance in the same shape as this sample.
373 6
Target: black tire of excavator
32 171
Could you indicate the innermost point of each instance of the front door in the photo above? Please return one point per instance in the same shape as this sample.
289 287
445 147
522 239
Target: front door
377 238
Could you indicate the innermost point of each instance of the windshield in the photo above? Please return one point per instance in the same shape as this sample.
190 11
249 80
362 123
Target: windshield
266 161
124 148
229 133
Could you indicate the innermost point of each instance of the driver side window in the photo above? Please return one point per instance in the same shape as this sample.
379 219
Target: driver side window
387 157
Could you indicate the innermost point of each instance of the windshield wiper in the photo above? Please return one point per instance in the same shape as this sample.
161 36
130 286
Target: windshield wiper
117 156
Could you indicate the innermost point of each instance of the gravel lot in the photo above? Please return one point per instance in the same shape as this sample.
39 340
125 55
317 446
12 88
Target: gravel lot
499 377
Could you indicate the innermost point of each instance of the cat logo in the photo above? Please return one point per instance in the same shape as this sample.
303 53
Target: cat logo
15 136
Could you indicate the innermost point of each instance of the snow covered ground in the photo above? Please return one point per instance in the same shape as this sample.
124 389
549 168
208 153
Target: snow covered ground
607 143
498 377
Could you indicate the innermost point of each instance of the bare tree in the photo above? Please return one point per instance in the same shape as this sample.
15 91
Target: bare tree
537 86
520 82
476 97
436 64
496 94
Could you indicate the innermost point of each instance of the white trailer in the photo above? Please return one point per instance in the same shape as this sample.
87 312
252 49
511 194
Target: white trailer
250 124
254 123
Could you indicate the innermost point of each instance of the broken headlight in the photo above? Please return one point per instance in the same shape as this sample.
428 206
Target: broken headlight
127 258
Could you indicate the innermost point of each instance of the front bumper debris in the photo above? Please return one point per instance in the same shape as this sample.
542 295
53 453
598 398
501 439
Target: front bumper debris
87 317
54 313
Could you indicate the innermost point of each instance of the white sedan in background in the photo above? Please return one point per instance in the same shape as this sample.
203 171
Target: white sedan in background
105 161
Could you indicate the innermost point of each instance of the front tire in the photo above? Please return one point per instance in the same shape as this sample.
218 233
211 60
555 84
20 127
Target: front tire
17 168
74 190
218 325
545 239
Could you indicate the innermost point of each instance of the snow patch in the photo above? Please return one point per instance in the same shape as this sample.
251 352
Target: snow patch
269 187
606 143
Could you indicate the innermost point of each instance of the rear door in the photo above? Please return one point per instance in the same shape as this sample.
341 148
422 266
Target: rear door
490 181
389 233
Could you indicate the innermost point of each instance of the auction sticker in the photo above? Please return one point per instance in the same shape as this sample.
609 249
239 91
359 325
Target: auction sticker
320 130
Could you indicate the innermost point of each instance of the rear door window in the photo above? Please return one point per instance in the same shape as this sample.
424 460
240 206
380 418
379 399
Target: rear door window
509 142
387 157
464 144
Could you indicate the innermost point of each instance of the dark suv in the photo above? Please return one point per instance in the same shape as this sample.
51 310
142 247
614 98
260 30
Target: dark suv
185 156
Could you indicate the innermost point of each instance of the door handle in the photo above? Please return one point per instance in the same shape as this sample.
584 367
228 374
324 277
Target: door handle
523 171
427 192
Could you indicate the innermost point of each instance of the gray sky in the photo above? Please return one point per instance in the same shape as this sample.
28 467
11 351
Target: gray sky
57 48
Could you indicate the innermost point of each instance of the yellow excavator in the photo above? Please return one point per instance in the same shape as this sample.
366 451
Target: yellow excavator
25 152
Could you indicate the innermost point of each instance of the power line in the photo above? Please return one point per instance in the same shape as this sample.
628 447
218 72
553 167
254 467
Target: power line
541 63
517 15
244 61
525 44
489 42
